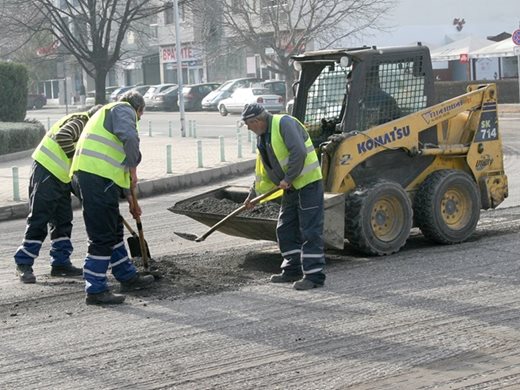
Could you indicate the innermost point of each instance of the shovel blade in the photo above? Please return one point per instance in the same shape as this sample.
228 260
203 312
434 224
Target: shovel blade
187 236
135 247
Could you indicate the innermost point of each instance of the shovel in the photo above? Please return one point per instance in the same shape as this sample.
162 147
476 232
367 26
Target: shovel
194 237
133 242
142 243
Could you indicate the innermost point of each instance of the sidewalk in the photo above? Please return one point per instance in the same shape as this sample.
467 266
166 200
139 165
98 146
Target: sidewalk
152 172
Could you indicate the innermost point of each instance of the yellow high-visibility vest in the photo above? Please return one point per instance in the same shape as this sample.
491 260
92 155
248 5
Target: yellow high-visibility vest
50 154
100 152
310 173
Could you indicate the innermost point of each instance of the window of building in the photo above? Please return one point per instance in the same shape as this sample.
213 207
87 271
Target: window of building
154 30
168 14
130 37
273 10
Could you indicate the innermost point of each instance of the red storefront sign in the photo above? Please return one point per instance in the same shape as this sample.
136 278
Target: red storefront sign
169 54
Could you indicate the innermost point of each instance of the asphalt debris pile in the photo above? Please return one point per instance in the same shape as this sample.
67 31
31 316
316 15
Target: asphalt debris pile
267 210
202 273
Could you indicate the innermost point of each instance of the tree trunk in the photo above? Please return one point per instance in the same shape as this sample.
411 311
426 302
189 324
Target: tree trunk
290 78
100 86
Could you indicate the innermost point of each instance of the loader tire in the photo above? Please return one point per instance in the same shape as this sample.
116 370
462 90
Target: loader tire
447 206
378 218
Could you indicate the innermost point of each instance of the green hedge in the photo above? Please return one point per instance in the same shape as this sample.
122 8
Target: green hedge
13 92
19 136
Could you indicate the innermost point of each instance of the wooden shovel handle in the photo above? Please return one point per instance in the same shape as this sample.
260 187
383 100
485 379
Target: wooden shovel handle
235 212
128 227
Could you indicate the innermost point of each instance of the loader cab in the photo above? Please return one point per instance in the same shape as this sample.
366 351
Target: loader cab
385 84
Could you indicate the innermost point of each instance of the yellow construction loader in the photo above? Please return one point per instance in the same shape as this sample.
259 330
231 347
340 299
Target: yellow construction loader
391 158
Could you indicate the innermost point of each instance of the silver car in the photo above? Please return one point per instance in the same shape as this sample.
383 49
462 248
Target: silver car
152 93
244 96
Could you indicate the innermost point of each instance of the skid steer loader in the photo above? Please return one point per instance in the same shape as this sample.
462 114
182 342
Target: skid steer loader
391 158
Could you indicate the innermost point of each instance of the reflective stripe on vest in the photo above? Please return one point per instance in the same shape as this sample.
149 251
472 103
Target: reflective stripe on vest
50 154
100 152
311 171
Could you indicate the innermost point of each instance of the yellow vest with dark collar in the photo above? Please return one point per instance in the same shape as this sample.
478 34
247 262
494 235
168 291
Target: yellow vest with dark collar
310 173
100 152
50 154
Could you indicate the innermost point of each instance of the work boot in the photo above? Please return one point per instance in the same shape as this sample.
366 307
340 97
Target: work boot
25 273
285 278
104 298
306 284
137 282
66 270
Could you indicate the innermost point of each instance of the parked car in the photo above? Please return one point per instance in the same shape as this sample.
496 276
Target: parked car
164 101
244 96
152 92
212 100
194 93
108 92
90 99
36 100
277 87
114 96
142 89
289 106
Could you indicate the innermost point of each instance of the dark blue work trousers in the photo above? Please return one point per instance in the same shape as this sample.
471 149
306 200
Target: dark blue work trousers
300 232
49 204
100 200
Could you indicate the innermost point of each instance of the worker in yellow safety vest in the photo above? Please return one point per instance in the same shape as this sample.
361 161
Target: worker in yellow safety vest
286 159
105 167
50 201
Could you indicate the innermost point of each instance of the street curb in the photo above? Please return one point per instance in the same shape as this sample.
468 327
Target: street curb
156 187
194 179
16 155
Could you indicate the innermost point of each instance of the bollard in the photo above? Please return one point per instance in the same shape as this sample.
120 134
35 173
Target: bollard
149 128
239 145
170 129
199 154
194 123
169 159
222 152
253 145
48 123
190 128
16 184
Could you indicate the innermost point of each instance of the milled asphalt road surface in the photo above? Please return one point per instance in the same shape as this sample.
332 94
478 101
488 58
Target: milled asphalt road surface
429 317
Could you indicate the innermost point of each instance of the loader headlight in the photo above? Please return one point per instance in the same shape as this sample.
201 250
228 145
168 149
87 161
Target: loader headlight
297 66
344 61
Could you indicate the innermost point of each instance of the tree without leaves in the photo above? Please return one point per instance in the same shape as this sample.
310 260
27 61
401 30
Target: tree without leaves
92 31
286 27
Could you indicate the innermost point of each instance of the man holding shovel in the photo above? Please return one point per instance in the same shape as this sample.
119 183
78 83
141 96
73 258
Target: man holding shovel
105 166
286 159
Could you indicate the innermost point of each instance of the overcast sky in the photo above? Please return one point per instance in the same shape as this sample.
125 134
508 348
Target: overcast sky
431 21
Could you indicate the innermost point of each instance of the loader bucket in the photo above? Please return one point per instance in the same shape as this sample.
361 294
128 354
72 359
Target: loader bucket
258 227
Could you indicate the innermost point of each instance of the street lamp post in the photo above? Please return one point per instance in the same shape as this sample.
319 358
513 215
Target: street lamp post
180 98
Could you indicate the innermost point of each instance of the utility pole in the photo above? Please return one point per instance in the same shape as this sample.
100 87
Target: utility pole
180 98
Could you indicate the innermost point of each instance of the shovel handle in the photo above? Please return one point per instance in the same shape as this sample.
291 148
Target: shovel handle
128 227
235 212
142 243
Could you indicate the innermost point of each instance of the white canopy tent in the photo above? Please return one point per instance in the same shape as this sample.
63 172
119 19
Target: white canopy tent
453 51
505 48
505 52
